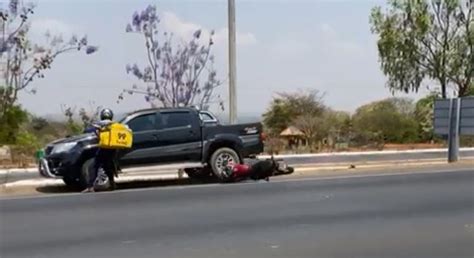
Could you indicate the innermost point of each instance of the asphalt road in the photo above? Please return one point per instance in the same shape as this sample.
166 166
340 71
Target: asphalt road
415 215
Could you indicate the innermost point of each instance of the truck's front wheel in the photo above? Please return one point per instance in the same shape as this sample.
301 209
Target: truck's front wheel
86 171
78 176
86 174
74 182
220 160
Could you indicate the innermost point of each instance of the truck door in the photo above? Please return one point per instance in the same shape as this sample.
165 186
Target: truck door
145 141
179 136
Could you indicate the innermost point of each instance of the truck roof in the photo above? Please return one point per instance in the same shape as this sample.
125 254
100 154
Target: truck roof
163 108
147 110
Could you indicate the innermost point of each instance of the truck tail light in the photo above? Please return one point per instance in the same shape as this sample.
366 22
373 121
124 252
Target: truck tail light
263 136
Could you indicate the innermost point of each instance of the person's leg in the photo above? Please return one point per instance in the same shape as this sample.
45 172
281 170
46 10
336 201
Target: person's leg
91 176
111 168
111 177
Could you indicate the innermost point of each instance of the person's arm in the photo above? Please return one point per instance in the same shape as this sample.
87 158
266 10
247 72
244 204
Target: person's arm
104 123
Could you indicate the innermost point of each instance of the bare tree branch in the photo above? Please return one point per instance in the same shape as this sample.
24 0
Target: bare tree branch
178 70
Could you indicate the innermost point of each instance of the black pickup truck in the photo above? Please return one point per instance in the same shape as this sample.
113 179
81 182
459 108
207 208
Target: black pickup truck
187 137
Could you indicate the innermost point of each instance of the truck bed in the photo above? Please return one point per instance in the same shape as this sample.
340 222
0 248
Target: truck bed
249 135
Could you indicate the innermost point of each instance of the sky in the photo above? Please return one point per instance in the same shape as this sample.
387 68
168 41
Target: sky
282 46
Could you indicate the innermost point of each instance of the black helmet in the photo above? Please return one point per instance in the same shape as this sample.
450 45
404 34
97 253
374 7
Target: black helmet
106 114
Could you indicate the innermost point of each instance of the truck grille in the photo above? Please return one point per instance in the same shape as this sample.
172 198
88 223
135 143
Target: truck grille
54 164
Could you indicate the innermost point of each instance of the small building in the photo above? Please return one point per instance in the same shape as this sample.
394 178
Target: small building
294 136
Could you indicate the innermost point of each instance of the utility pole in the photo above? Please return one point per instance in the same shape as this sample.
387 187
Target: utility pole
454 129
232 63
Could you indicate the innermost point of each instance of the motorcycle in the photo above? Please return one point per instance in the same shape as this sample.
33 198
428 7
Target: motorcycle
258 170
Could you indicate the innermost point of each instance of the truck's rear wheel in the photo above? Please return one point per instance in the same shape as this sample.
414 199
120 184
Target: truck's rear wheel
220 160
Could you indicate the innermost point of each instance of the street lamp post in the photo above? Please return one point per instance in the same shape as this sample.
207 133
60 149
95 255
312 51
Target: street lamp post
232 63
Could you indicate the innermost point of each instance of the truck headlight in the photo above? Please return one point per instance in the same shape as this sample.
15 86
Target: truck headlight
63 147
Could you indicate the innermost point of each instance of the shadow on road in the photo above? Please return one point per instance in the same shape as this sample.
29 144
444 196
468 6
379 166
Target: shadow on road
129 185
56 189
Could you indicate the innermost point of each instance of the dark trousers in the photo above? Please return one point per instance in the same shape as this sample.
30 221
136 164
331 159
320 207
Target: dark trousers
105 159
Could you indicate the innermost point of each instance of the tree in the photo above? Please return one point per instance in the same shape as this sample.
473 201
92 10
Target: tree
424 115
86 116
426 40
43 129
470 91
381 122
286 107
27 143
22 60
327 126
72 126
181 75
39 123
315 128
340 126
274 145
10 124
91 115
404 106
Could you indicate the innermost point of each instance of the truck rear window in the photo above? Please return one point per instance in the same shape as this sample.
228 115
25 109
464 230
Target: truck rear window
175 119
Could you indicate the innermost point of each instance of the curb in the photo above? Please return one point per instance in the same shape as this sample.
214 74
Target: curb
18 170
349 153
59 182
371 165
375 163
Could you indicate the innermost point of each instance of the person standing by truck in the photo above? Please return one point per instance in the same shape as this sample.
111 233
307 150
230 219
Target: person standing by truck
104 158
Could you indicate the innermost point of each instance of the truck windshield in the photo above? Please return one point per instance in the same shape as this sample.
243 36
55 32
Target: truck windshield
121 118
206 117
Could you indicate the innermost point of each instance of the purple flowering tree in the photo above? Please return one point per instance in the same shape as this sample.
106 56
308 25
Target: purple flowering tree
22 61
175 75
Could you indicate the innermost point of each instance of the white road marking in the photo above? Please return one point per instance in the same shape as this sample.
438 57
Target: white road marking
469 228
